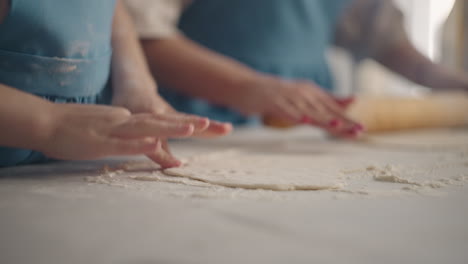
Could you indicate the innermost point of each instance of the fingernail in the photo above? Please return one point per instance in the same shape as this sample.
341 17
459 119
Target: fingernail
187 129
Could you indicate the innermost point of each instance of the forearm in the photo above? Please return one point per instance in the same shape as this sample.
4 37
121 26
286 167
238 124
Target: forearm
130 73
403 58
25 120
375 28
191 69
4 8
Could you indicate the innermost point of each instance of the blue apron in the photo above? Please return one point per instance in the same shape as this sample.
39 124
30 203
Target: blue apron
59 50
287 38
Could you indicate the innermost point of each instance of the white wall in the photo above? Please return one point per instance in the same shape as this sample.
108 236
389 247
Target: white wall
423 19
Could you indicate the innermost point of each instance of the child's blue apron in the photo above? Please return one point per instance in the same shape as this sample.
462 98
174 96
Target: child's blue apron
287 38
59 50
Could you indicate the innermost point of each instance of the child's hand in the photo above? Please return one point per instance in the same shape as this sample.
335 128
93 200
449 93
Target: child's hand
81 132
151 104
298 102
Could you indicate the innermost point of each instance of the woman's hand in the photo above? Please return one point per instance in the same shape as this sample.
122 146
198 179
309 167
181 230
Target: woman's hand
81 132
298 102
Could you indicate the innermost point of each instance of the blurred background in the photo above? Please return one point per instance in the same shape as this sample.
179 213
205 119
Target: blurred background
438 28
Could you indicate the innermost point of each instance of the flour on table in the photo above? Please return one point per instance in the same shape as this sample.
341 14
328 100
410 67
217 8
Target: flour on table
388 173
422 162
108 177
414 179
237 169
434 139
157 176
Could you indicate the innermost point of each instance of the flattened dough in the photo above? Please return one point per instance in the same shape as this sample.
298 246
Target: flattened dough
245 170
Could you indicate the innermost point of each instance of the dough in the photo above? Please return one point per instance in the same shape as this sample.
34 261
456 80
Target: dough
237 169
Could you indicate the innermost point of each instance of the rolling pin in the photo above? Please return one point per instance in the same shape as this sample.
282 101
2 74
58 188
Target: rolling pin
381 114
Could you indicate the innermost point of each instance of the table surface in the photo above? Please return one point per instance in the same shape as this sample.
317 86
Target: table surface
50 214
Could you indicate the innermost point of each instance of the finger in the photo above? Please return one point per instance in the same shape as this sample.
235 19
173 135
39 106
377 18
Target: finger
164 158
317 112
349 125
341 135
115 146
303 98
336 120
300 104
328 114
350 134
330 102
330 121
102 109
358 129
339 112
165 146
215 129
286 110
199 123
322 102
335 104
149 127
338 106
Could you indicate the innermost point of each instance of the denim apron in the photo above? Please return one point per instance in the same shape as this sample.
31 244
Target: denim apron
58 50
287 38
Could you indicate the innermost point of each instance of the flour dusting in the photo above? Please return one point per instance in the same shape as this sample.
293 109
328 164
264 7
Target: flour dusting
388 173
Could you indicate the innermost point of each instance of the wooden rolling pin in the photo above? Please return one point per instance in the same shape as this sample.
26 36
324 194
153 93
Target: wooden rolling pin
380 114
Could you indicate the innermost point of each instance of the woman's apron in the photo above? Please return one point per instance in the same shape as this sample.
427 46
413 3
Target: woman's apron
287 38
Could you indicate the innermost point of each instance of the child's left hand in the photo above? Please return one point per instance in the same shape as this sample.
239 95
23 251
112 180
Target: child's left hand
150 102
134 88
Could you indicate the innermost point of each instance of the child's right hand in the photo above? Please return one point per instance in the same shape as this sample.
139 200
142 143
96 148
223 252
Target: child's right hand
82 132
